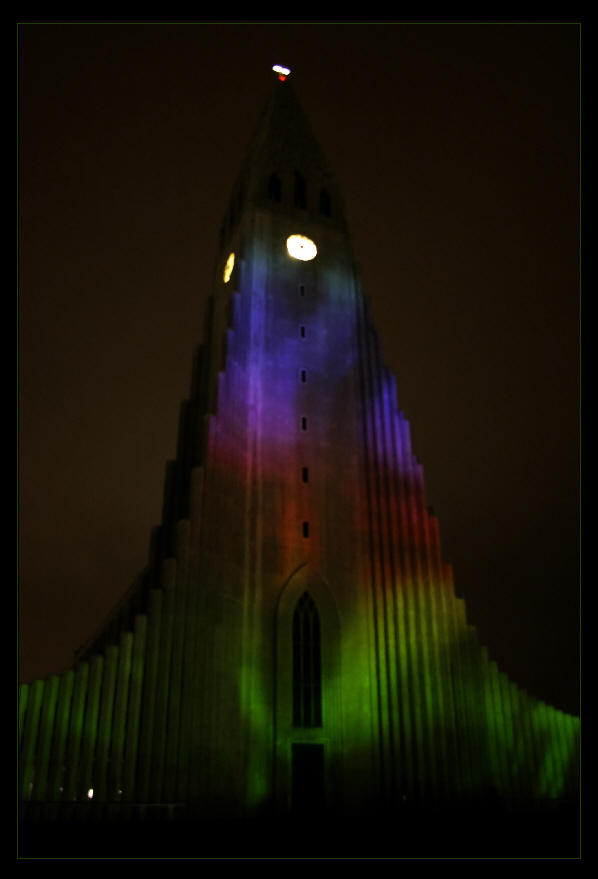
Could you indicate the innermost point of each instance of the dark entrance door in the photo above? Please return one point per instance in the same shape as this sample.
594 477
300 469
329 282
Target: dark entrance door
307 792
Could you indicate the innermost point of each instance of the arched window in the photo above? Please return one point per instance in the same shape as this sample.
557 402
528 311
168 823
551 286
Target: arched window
274 188
307 664
307 708
325 203
300 191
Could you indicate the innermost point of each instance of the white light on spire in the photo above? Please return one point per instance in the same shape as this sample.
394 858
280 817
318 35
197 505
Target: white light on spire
282 72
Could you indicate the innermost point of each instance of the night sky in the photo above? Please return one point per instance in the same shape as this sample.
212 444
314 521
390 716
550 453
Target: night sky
456 147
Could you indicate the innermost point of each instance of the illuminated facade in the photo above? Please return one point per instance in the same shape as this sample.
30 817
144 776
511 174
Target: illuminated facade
295 645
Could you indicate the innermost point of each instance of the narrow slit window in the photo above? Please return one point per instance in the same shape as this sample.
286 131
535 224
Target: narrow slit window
304 423
300 191
301 290
306 529
274 188
303 376
325 203
305 474
302 331
307 664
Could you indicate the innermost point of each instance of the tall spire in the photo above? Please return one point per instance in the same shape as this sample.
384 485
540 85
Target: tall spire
285 169
296 648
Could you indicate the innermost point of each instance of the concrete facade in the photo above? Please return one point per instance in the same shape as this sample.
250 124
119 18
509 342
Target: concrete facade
295 645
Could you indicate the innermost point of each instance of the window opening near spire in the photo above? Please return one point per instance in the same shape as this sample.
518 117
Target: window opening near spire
300 191
274 188
307 665
325 203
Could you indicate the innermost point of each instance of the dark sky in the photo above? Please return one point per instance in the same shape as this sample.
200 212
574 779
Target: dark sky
457 149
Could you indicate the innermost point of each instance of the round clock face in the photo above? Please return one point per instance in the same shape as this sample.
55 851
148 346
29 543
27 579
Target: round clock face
228 268
300 247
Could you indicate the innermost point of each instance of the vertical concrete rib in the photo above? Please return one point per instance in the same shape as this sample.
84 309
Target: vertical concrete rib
23 699
573 727
75 732
464 698
444 725
40 782
171 765
549 768
416 670
469 720
528 770
395 608
134 709
426 631
371 472
90 727
30 736
401 587
500 729
508 741
56 768
557 752
492 778
100 775
190 655
156 788
518 759
455 632
565 751
150 683
387 642
121 698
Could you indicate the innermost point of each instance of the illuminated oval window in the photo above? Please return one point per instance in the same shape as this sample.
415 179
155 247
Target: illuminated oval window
228 268
301 247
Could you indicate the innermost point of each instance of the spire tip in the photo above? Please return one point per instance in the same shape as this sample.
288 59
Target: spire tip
282 72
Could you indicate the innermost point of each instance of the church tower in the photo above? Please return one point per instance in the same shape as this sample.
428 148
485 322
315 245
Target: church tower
295 646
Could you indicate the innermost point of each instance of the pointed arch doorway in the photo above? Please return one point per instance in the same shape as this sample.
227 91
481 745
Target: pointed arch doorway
308 696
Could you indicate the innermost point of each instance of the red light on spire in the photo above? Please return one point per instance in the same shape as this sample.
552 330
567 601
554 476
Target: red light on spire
282 72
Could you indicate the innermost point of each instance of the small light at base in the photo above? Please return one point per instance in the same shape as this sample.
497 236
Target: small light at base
90 794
